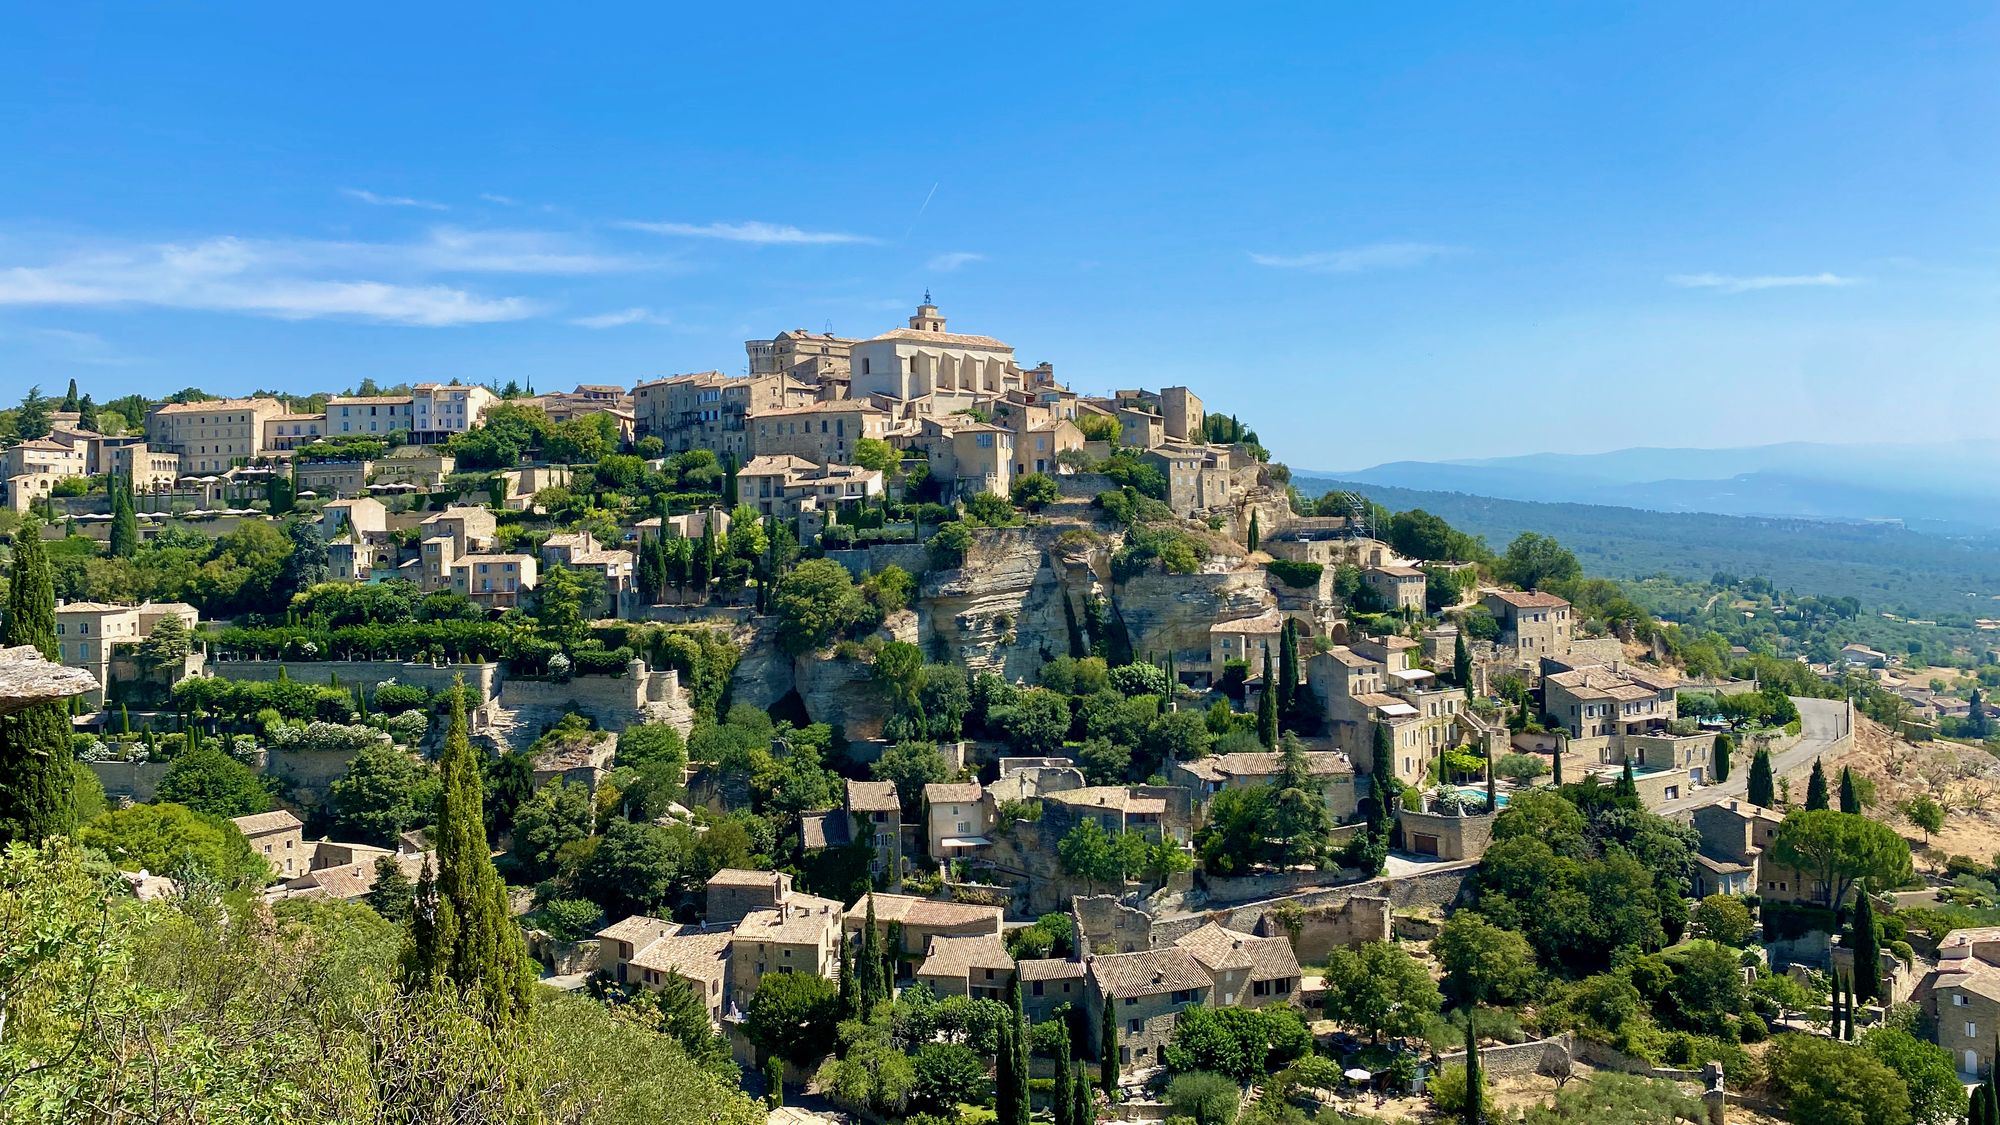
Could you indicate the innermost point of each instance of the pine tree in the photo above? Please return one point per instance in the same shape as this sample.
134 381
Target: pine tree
1267 707
1107 1046
1763 791
1816 794
464 936
31 418
1867 948
1288 667
1461 663
36 771
1850 797
1255 535
1723 745
1475 1092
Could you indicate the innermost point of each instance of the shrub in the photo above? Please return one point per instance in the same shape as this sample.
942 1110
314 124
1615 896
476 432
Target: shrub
1209 1099
1447 1089
1298 575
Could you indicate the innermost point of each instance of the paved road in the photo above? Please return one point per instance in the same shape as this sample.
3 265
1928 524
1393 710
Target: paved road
1822 724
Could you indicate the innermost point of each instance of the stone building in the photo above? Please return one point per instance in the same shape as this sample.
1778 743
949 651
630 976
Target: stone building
976 966
1211 775
926 360
88 634
1962 999
1245 971
1144 991
278 837
1536 624
820 432
211 436
921 919
1399 587
375 416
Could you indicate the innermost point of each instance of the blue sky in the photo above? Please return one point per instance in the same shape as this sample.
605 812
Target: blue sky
1373 234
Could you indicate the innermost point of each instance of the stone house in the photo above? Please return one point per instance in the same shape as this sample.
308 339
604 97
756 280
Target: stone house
580 760
976 966
922 919
1208 776
33 468
877 813
495 581
734 892
1446 835
956 819
279 838
1372 682
88 634
821 432
1606 707
1246 971
801 934
1144 991
1200 478
1246 639
1962 999
1533 623
1049 983
1399 587
211 436
447 537
786 486
926 360
1737 833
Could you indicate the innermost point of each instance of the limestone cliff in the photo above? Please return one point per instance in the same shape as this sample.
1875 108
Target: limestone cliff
1002 610
1171 613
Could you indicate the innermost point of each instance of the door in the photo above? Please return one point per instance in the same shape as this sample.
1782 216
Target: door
1422 844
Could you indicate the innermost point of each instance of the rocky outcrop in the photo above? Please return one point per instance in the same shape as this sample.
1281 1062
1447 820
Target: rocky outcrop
1002 610
763 673
1171 613
26 678
842 692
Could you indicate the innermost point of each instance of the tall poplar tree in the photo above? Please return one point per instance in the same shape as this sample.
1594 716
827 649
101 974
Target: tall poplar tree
463 937
1267 707
1763 791
37 772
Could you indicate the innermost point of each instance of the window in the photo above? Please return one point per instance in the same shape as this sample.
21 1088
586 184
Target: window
1960 1000
1132 1026
1037 989
1971 1030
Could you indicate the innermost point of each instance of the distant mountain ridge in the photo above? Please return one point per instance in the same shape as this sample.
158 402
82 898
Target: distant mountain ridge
1947 487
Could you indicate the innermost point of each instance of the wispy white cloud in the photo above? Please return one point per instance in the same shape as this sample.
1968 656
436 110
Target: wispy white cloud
285 280
375 200
761 234
1728 283
502 200
621 318
1358 259
946 263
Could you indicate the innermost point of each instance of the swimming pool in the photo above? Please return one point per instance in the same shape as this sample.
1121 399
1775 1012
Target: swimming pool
1478 793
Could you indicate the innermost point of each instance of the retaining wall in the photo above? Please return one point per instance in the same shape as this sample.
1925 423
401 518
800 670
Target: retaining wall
136 780
483 679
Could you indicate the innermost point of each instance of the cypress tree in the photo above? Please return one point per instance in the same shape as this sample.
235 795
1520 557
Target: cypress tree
1627 788
124 540
1723 745
1288 666
36 768
1107 1046
1267 707
1461 663
464 938
1850 797
1867 948
1003 1075
1082 1110
1763 791
1062 1100
86 414
729 493
1254 533
1816 794
850 991
869 987
1562 745
69 402
1475 1094
1022 1099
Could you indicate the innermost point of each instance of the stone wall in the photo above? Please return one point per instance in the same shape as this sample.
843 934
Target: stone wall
1550 1057
136 780
913 557
308 775
525 708
1106 925
482 679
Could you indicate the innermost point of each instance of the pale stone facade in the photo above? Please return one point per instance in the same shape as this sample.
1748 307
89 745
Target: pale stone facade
211 436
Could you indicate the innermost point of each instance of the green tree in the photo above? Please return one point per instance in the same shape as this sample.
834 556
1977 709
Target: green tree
1204 1098
558 814
1923 811
1610 1098
1267 707
1107 1046
815 603
207 780
1034 723
1255 533
1035 491
911 766
384 792
1299 819
1461 663
1850 793
1826 1082
1816 794
1725 919
1380 989
1723 745
567 600
876 454
1867 947
1838 849
463 936
37 778
947 1074
1475 1079
394 894
1936 1095
175 840
1763 790
792 1016
1533 561
1288 666
124 541
31 418
633 868
1483 962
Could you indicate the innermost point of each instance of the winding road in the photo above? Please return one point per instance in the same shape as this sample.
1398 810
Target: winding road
1824 726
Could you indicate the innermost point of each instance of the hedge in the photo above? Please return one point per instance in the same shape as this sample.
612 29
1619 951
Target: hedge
1295 574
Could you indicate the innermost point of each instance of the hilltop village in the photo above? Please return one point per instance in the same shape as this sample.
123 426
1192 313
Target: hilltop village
905 735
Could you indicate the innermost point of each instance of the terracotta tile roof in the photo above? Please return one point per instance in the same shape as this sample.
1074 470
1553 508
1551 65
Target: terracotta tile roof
1109 797
637 930
958 956
696 956
741 877
1148 973
872 796
257 824
1527 599
1218 948
1220 767
1349 657
953 792
931 913
832 828
1050 968
802 920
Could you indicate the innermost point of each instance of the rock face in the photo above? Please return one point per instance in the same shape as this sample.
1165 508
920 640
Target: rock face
1000 612
1171 613
763 673
26 678
842 692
